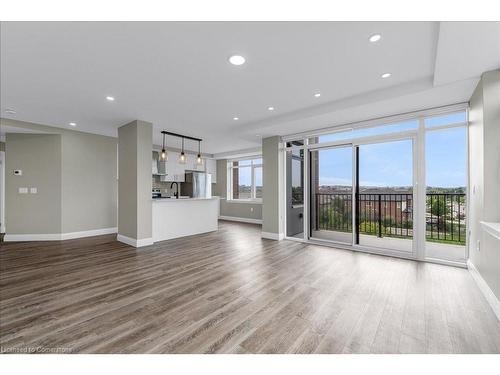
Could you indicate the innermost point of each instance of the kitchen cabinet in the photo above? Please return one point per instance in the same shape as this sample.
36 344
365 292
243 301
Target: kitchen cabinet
175 171
155 163
211 167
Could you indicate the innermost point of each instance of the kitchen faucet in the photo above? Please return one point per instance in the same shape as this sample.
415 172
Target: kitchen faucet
176 194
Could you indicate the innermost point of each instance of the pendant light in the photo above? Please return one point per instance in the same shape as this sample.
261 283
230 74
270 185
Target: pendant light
164 155
182 156
199 160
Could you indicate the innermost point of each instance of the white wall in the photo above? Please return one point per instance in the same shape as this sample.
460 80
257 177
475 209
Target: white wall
484 158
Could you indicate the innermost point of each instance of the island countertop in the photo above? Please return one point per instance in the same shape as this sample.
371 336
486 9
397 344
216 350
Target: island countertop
174 218
161 200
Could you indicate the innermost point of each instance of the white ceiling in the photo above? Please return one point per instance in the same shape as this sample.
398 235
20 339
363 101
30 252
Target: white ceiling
176 74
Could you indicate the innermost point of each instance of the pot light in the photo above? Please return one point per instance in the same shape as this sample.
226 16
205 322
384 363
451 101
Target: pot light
236 118
72 124
375 38
270 108
386 75
10 111
110 98
237 60
317 95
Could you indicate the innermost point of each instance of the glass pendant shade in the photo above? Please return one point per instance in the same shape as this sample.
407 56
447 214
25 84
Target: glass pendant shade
182 156
199 160
163 155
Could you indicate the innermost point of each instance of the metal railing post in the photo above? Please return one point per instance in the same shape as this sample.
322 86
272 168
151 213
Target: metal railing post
379 215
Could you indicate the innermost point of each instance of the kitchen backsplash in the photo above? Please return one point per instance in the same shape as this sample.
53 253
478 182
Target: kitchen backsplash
164 186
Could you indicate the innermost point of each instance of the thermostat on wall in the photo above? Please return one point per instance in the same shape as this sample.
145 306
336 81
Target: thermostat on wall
18 172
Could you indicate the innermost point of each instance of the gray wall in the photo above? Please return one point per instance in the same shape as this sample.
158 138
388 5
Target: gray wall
271 215
233 209
88 191
484 158
134 184
144 183
39 158
89 182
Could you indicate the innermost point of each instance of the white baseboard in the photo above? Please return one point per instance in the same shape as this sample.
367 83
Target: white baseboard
58 236
88 233
485 289
31 237
134 242
272 236
241 219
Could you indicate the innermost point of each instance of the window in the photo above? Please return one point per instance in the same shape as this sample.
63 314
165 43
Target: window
245 179
447 119
366 132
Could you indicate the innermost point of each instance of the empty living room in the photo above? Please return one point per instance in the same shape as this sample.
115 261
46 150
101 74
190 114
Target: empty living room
289 186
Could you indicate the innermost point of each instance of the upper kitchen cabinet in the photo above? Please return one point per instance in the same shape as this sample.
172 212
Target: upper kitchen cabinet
211 167
174 171
170 170
192 165
154 169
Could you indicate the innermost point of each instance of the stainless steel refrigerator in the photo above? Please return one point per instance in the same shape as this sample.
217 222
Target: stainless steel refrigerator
197 185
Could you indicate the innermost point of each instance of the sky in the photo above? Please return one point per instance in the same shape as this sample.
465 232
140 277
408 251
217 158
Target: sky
245 176
390 163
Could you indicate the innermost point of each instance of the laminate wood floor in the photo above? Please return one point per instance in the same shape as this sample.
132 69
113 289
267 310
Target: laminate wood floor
232 292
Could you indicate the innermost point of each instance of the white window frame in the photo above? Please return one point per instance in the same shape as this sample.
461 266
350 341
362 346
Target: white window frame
419 171
253 166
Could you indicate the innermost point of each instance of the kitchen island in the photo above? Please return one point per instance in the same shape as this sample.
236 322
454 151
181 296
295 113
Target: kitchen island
173 218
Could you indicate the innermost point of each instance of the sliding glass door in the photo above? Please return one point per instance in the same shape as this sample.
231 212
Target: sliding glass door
331 194
362 195
294 182
385 195
397 188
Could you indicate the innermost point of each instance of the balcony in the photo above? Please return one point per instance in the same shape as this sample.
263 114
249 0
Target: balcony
390 215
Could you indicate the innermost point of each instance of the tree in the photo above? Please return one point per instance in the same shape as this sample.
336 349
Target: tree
438 206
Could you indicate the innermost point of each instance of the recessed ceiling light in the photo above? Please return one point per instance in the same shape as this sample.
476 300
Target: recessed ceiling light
317 95
237 60
236 118
375 38
386 75
270 108
72 124
10 111
110 98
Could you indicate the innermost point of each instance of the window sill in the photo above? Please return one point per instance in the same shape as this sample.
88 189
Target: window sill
245 201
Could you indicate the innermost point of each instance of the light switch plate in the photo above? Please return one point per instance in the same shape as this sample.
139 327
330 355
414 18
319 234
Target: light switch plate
23 190
33 190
